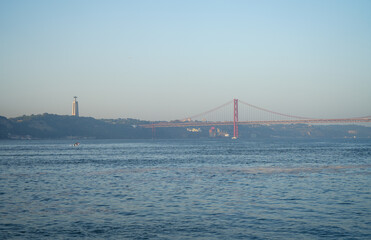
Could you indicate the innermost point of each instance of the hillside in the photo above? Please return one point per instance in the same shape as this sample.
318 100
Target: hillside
51 126
56 126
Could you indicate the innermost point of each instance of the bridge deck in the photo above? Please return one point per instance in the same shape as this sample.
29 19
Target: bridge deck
299 121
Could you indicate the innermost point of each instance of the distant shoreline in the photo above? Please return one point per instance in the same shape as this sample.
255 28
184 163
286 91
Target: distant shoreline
52 126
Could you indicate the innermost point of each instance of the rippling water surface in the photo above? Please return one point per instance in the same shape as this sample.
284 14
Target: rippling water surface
185 189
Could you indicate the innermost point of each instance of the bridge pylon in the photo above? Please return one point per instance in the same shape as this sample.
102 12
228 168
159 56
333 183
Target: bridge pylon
235 118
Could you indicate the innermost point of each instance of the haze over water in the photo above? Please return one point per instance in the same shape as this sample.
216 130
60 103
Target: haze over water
185 189
167 60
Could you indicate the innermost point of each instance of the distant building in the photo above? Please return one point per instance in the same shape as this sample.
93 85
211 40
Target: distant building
75 108
212 132
216 132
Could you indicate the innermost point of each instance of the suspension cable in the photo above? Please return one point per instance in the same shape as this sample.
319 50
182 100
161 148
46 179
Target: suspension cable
269 111
212 110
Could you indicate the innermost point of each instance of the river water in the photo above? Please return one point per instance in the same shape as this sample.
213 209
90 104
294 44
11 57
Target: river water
185 189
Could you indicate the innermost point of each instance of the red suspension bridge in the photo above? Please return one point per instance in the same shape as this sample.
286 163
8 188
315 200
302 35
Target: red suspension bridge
243 113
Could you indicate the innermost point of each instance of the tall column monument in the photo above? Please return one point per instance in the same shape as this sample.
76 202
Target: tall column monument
75 108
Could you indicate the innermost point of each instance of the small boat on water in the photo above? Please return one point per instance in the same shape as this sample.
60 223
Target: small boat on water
76 144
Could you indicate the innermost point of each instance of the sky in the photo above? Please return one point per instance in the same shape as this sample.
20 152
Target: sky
169 59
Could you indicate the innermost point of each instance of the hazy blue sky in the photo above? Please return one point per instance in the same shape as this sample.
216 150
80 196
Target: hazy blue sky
164 60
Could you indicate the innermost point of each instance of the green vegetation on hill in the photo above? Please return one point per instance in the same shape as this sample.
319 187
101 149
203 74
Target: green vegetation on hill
51 126
57 126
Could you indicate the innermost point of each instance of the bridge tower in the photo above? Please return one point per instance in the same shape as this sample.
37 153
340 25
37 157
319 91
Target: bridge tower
235 118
